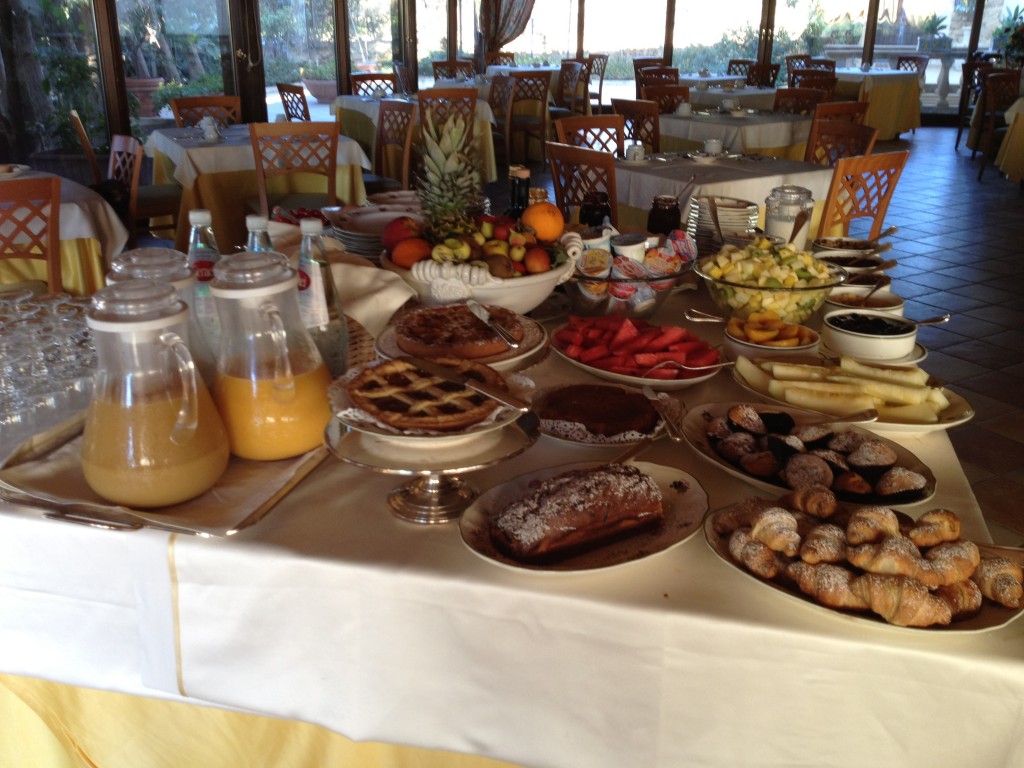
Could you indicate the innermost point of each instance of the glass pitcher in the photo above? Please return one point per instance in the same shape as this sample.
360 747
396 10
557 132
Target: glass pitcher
788 211
152 434
271 383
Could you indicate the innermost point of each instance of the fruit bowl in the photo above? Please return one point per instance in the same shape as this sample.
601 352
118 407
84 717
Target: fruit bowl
610 295
449 283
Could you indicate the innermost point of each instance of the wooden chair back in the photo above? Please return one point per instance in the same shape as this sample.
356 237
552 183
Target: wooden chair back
798 101
598 65
605 133
577 171
658 76
912 63
974 70
368 83
643 124
823 64
816 78
453 69
667 97
527 113
283 149
30 224
861 187
499 59
642 62
83 139
144 201
1000 88
403 77
831 140
740 67
392 149
444 102
498 97
763 75
293 99
189 110
853 111
567 91
795 62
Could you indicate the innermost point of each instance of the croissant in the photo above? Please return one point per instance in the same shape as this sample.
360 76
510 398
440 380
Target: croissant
935 527
950 562
738 515
815 500
1000 580
871 524
895 555
776 528
828 584
824 544
901 600
755 556
964 598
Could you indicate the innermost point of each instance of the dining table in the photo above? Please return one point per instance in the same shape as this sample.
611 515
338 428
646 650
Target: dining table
893 97
332 632
220 175
748 97
358 115
708 80
752 130
1010 158
91 235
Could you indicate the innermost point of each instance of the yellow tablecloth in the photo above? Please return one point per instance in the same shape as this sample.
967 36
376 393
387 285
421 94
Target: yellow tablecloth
1010 159
894 99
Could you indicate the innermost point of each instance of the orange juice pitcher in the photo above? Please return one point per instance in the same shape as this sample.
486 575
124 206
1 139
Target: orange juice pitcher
271 383
152 434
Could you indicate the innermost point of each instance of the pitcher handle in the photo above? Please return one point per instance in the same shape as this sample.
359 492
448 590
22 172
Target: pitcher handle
284 381
188 415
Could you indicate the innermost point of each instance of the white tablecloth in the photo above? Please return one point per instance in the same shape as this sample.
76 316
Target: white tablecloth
504 69
333 611
371 107
694 79
748 98
192 156
739 134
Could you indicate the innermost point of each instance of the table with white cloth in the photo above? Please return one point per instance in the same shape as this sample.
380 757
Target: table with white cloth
776 134
221 176
91 235
698 81
482 83
747 97
893 97
358 116
507 69
171 650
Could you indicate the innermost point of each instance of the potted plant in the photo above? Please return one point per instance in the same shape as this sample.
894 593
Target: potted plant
1009 36
321 80
932 37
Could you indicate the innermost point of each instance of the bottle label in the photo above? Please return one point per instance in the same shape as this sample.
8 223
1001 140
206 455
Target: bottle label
203 269
312 301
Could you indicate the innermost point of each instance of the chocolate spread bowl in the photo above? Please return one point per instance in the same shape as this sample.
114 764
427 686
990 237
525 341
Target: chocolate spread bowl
868 334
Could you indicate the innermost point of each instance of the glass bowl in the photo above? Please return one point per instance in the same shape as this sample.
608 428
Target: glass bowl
610 295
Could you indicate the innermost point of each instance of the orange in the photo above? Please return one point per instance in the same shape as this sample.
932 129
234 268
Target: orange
409 251
544 219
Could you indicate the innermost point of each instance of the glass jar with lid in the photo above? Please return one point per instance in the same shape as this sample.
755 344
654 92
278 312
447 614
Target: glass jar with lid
788 211
595 209
664 216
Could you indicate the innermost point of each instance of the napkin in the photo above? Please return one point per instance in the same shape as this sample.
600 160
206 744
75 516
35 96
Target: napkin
369 295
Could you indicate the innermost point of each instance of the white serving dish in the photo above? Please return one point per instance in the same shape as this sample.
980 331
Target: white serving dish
867 345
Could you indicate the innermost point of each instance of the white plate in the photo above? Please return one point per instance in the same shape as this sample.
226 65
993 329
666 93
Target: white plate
959 411
685 503
16 170
990 617
694 424
916 355
532 348
637 381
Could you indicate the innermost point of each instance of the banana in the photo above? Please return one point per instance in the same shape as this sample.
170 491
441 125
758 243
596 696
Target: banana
441 253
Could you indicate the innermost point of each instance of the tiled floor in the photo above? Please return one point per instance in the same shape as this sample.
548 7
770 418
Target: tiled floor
960 249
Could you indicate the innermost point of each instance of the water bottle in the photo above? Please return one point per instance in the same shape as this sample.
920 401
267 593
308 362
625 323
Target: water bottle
203 254
259 238
319 305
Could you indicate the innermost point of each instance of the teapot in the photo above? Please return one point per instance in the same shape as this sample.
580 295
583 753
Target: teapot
271 383
152 434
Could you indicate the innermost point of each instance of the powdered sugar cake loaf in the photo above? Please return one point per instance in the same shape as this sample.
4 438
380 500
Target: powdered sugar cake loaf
454 331
577 510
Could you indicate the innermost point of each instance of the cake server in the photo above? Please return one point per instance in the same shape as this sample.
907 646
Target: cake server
449 374
480 312
671 426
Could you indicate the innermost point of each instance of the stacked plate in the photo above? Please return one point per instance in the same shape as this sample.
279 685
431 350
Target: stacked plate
733 214
360 229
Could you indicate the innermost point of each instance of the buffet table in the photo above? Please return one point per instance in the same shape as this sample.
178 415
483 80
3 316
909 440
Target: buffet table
778 135
91 234
747 97
333 612
893 97
221 176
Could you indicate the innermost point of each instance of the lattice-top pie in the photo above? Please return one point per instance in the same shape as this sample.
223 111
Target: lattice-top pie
454 331
397 393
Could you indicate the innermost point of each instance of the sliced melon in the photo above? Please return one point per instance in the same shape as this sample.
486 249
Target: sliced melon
921 413
909 375
834 403
757 378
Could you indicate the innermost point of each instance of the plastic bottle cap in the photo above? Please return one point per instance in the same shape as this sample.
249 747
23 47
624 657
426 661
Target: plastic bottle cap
255 221
311 227
200 217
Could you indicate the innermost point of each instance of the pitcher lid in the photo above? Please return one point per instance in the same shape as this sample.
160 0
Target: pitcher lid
252 269
162 264
134 301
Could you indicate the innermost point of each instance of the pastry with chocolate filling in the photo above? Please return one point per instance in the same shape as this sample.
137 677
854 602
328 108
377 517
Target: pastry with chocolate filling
602 409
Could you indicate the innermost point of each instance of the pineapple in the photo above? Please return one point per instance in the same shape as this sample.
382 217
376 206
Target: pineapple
450 178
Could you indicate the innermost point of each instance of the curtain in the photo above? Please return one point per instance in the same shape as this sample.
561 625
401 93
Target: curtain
502 21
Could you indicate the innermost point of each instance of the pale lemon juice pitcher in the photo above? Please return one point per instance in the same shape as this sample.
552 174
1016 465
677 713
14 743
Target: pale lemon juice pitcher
271 383
152 434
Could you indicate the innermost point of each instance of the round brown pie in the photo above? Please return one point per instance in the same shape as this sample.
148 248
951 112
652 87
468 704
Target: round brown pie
454 331
397 393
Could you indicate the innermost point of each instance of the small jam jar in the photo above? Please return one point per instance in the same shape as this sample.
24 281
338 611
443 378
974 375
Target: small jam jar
595 209
664 216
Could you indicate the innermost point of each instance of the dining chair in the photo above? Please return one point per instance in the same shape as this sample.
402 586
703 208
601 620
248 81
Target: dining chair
999 89
368 83
293 99
392 148
970 89
861 187
527 114
568 98
189 110
818 79
606 133
763 75
795 62
598 65
30 224
499 58
854 111
739 67
912 63
443 102
830 140
643 62
498 95
145 201
86 142
667 97
403 77
798 101
657 76
578 171
823 64
642 122
283 151
453 69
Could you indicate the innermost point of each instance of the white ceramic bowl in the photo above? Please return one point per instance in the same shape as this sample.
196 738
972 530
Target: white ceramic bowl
868 334
854 262
842 244
518 294
735 347
863 282
884 301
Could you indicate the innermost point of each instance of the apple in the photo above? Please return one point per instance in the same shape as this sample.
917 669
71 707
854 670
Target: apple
537 260
397 230
496 247
516 238
502 231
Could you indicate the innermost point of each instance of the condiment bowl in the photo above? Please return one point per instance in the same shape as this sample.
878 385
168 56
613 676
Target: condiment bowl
885 301
826 244
868 334
864 282
735 347
852 261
